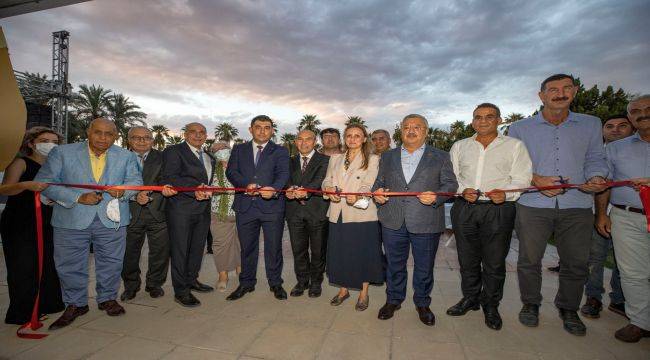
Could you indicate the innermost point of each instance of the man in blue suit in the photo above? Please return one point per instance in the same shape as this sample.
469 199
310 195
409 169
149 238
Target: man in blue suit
83 217
262 167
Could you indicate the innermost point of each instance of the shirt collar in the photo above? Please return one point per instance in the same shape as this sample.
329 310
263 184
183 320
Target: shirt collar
144 156
421 148
309 156
254 144
194 150
635 137
101 156
570 117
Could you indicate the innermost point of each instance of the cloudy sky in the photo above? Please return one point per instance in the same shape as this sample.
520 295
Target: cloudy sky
214 61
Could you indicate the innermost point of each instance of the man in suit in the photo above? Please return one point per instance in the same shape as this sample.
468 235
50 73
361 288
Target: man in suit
417 222
83 217
188 214
262 167
307 215
147 219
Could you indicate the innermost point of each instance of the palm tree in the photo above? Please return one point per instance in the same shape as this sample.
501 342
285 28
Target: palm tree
238 141
512 117
160 133
32 87
397 135
208 144
91 102
225 132
125 114
174 139
355 120
309 122
275 132
287 141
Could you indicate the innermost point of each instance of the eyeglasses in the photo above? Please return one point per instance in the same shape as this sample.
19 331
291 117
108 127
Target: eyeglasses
141 138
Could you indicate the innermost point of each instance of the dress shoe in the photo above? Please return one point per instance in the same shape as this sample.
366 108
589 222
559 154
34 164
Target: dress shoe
386 312
591 308
111 307
492 318
128 295
299 289
617 308
362 305
239 292
315 291
572 323
278 292
426 316
187 300
202 288
463 306
155 292
71 312
338 300
631 333
529 315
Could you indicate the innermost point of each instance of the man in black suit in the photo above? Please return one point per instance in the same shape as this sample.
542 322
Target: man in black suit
147 219
307 215
262 167
188 214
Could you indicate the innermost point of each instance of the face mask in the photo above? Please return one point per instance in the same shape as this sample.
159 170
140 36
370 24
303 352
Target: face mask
113 211
44 148
223 154
362 203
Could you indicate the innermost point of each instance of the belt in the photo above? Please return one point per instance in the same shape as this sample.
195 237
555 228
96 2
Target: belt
629 208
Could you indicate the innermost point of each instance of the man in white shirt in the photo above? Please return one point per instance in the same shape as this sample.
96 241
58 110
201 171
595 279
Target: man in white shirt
483 218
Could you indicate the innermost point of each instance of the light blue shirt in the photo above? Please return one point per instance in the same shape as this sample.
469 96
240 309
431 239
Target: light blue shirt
410 161
628 158
574 150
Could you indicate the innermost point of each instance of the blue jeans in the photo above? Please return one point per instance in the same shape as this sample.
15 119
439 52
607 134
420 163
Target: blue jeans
597 255
71 251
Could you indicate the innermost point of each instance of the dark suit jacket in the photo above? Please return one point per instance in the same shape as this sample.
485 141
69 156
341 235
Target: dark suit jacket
151 175
434 173
314 206
181 167
272 170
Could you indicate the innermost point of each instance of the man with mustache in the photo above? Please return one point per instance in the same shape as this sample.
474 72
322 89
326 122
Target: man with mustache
627 159
563 146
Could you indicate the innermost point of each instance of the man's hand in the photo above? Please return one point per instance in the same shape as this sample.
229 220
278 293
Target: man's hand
90 198
251 189
202 195
332 196
427 197
143 197
351 199
470 195
33 185
115 193
301 193
267 192
380 199
638 182
497 196
542 181
167 191
290 193
594 185
603 225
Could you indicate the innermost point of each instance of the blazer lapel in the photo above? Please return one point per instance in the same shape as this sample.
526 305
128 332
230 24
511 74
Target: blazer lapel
249 157
397 165
84 161
266 152
110 158
426 158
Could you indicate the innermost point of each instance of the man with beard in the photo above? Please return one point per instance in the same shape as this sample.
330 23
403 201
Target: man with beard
331 139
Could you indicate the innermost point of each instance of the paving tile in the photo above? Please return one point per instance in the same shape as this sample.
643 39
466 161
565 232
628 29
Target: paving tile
133 348
315 313
184 353
76 344
226 334
479 353
359 347
407 348
361 323
135 317
171 326
407 325
287 341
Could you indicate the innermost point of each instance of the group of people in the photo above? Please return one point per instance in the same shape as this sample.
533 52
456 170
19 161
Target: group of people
342 220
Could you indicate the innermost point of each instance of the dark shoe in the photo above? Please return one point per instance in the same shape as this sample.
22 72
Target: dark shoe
631 333
572 323
188 300
463 306
555 269
128 295
315 290
426 316
299 289
592 308
71 312
202 288
529 315
386 312
362 305
336 300
617 308
278 292
492 318
155 292
111 307
239 292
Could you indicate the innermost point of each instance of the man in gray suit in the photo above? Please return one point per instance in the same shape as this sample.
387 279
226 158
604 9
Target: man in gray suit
417 222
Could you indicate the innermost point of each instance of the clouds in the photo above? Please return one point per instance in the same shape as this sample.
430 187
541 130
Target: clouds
377 59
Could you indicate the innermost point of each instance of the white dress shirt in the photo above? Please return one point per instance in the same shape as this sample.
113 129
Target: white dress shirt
308 156
503 164
207 164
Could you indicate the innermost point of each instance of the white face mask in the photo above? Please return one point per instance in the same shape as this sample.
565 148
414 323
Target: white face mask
44 148
362 203
223 154
113 211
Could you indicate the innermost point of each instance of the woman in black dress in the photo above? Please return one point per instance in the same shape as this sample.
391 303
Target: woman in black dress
17 227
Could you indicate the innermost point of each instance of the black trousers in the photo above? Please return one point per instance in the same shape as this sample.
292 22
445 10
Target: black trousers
187 237
158 240
308 236
483 232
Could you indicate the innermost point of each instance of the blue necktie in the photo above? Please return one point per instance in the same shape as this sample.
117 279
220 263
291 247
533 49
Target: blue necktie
258 154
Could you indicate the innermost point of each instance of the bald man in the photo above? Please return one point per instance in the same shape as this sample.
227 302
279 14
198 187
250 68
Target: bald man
82 217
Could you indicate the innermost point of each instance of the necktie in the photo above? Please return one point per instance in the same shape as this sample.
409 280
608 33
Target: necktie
258 154
305 161
199 153
141 160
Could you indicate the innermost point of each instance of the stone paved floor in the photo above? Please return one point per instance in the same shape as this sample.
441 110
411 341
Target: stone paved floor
260 327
